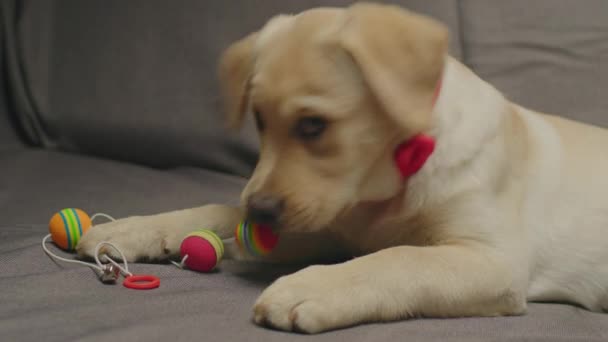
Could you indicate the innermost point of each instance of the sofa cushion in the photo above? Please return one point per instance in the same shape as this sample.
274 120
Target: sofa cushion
36 183
43 300
8 135
136 80
548 55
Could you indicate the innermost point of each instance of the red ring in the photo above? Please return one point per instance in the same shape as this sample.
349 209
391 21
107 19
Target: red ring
141 282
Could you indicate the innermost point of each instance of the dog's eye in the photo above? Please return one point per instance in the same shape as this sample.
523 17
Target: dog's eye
309 128
258 120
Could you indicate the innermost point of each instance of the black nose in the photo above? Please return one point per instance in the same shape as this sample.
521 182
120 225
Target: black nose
264 208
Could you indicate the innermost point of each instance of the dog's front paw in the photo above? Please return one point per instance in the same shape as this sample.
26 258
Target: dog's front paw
313 300
138 237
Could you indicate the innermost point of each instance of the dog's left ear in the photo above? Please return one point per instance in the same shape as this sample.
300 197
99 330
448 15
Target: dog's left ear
235 69
400 55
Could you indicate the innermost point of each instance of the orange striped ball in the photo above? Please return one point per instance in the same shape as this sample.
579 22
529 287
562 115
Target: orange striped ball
68 226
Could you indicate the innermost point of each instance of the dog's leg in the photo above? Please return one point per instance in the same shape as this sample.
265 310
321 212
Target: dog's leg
395 283
158 237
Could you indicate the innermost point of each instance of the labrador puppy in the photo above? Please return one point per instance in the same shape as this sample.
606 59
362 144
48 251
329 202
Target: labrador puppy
511 205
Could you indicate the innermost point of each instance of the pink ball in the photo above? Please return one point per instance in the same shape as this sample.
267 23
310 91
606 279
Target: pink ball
204 250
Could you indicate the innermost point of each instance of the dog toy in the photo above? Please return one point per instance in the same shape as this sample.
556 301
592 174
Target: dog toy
68 226
257 240
202 250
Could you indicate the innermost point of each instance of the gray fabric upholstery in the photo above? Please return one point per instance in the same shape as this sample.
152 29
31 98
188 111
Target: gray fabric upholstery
135 81
45 301
131 80
42 182
551 56
25 112
8 134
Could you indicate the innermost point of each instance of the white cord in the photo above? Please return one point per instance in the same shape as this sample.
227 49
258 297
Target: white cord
102 215
50 254
181 263
125 270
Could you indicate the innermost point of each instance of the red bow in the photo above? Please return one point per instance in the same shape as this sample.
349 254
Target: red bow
412 154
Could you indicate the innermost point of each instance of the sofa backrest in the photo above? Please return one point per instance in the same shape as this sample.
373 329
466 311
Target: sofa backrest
8 134
549 55
136 80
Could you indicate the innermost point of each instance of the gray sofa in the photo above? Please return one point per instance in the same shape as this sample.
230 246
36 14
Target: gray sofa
112 106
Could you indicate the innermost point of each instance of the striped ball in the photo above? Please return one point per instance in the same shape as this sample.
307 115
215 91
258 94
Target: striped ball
204 249
68 226
255 239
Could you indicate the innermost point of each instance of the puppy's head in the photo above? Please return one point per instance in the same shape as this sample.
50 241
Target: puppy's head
333 92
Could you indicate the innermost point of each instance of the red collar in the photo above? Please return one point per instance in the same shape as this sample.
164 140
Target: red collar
410 156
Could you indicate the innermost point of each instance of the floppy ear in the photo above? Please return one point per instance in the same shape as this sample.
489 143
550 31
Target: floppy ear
401 57
235 68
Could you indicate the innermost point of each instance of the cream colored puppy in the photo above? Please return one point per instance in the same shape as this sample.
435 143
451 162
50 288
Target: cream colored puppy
511 206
